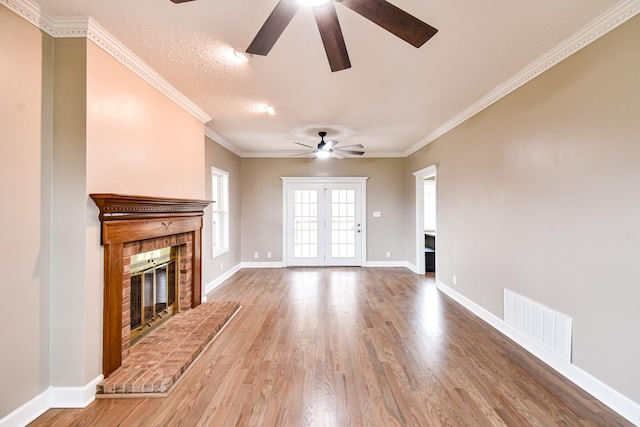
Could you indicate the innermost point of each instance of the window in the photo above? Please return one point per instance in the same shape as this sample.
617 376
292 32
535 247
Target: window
220 212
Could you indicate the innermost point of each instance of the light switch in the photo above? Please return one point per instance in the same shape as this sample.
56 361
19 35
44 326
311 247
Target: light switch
377 214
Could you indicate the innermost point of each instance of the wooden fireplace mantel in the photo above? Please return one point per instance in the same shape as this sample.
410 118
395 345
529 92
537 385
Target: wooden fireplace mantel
120 206
125 219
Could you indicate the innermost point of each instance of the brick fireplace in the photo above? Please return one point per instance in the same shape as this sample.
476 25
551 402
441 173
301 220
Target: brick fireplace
136 224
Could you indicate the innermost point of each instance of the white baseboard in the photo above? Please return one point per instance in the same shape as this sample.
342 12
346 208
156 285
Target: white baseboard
372 264
275 264
383 264
52 397
74 397
27 412
601 391
413 268
219 280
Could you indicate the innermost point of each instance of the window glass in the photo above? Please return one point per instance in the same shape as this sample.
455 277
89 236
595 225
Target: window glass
220 212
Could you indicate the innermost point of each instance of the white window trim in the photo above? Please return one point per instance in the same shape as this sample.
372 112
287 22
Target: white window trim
216 251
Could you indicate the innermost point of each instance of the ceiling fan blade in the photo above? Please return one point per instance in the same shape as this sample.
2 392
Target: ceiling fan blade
180 1
393 19
308 153
331 34
355 153
350 146
305 145
273 27
329 144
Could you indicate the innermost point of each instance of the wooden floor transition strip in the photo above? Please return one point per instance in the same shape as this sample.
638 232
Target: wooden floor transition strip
157 362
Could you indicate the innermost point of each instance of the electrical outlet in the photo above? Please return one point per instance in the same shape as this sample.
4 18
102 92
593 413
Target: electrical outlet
221 266
256 255
268 254
455 279
388 254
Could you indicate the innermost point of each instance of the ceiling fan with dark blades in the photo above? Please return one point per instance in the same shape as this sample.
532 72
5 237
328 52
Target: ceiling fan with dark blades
328 148
381 12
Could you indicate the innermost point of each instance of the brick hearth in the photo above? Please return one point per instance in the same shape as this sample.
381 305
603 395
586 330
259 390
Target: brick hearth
157 361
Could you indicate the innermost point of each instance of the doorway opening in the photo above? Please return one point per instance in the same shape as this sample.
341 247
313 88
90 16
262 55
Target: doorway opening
426 219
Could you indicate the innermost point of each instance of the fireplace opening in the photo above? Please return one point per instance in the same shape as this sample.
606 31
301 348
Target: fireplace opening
154 290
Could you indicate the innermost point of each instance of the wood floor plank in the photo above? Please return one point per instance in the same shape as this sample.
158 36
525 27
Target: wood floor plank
352 347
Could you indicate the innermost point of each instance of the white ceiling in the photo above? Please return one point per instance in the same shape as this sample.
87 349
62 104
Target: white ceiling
392 98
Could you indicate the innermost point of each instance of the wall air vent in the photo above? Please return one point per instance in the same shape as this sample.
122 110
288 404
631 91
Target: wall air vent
545 326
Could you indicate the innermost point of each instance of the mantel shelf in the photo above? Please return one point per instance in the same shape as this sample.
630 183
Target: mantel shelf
120 206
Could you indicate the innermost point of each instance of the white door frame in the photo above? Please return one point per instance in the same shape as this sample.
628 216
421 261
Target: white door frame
286 180
420 176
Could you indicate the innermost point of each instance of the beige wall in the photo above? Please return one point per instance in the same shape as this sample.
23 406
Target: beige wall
221 158
138 140
69 213
24 228
262 202
539 194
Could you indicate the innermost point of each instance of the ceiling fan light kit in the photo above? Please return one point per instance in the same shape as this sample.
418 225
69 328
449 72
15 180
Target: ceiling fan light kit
264 108
241 55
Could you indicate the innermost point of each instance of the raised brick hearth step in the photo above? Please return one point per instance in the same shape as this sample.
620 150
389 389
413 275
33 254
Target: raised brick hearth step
157 361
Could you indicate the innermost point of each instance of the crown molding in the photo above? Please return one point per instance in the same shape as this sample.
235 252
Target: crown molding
606 22
285 156
66 27
121 53
29 11
215 137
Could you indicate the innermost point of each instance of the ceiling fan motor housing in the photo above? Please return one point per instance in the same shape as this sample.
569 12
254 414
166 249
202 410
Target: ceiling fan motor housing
322 143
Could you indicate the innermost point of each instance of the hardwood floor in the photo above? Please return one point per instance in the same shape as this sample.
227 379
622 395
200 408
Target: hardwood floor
353 347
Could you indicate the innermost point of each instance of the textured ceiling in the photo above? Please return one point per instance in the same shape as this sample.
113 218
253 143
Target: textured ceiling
391 99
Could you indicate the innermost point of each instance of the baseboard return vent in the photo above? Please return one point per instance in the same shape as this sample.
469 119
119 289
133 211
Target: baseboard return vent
543 325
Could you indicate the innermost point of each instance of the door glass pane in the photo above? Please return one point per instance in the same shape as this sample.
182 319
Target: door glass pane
305 223
343 224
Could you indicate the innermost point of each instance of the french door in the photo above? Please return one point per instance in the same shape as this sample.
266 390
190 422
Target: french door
324 223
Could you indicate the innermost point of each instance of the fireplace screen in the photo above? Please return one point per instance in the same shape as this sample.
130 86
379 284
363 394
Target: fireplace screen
153 289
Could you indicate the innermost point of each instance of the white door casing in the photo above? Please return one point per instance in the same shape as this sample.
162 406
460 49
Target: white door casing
419 233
